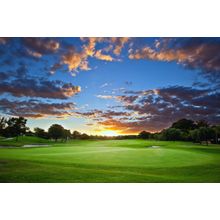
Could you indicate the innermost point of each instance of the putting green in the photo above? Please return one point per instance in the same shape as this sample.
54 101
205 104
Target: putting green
112 161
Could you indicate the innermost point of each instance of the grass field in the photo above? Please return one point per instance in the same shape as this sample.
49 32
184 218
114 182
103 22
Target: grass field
108 161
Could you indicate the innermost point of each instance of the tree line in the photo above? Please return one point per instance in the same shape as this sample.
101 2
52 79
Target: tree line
181 130
187 130
16 126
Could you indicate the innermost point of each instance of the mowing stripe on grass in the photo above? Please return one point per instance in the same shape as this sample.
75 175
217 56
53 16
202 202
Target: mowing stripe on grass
88 152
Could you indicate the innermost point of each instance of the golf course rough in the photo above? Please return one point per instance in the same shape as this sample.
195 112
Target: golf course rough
109 161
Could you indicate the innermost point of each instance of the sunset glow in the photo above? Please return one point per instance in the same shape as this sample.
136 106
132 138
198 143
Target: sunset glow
109 133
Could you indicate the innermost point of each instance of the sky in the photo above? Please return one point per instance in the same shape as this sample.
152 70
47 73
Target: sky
117 85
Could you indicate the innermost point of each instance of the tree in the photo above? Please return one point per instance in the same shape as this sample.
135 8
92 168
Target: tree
84 136
194 134
184 125
205 134
39 132
66 134
3 123
76 135
16 127
144 135
56 131
217 133
172 134
202 123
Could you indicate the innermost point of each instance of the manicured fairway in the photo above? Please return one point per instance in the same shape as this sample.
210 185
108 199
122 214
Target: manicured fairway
111 161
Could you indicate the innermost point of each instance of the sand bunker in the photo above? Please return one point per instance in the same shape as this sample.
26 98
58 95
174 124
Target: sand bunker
36 145
155 147
7 139
26 146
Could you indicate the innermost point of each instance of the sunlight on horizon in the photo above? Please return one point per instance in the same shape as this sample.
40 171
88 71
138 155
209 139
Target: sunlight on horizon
109 133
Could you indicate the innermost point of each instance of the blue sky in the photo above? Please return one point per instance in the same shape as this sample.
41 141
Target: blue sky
120 84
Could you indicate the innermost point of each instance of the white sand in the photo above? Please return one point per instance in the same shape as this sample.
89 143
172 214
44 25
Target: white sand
155 147
26 146
36 145
8 139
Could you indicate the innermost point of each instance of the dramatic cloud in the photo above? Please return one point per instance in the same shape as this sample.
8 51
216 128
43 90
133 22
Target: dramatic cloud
78 60
35 109
126 99
39 46
154 110
119 43
101 56
22 78
115 44
121 98
172 103
61 53
75 60
20 85
89 48
90 114
193 53
180 92
98 114
44 89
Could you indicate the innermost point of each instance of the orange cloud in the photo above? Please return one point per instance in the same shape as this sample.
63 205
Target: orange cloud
168 55
119 44
89 49
101 56
69 91
75 60
79 60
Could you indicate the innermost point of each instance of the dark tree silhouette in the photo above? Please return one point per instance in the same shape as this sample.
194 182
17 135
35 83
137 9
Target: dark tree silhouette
184 124
144 135
3 124
16 127
56 131
76 135
39 132
217 133
205 134
172 134
84 136
66 134
202 123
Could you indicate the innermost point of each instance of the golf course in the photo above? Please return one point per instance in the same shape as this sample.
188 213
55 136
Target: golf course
32 159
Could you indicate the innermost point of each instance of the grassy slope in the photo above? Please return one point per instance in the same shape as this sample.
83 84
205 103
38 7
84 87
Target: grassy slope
22 141
112 161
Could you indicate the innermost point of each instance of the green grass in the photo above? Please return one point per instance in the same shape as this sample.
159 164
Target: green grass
110 161
23 140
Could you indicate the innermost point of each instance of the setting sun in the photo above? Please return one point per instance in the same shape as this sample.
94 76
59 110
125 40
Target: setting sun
109 133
